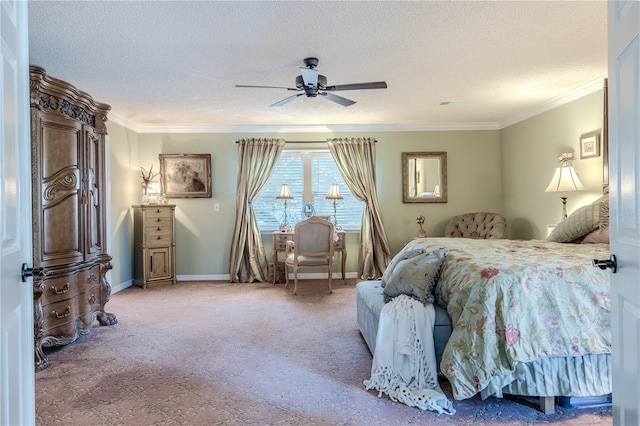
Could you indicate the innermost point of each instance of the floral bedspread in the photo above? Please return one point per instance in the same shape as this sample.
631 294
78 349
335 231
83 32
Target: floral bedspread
515 301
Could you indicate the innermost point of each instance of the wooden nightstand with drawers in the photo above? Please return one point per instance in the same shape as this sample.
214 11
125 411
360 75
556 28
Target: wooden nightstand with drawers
154 245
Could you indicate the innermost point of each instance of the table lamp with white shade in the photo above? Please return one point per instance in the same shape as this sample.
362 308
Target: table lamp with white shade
565 179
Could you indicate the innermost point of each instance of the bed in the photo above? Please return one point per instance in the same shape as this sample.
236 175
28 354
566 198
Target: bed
529 318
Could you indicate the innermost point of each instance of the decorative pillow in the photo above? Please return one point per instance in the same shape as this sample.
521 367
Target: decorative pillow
579 223
604 213
416 277
403 255
599 236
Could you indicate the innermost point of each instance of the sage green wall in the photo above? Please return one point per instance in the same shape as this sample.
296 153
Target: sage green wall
123 173
473 179
529 151
203 236
505 171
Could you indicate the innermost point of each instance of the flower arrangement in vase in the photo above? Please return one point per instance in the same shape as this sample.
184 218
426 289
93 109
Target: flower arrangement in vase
420 221
147 178
565 157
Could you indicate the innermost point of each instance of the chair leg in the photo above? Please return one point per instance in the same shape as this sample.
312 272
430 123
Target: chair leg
330 278
286 275
295 281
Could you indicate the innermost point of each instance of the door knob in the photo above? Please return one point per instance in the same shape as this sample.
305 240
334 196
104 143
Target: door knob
30 272
612 263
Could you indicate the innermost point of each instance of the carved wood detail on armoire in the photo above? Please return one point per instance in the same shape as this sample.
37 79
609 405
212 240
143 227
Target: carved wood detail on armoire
68 213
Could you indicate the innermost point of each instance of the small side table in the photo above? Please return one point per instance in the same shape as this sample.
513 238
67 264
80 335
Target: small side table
279 245
341 246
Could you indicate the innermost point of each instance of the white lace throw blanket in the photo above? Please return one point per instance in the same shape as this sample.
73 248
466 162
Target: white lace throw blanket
404 363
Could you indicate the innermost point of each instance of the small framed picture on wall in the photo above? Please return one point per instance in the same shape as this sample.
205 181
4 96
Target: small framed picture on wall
590 144
185 175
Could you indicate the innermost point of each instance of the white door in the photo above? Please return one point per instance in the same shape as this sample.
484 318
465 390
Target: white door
17 379
624 160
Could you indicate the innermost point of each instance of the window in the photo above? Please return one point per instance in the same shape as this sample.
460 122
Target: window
309 175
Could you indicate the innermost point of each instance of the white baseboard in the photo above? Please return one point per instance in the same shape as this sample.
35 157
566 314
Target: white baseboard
303 276
225 277
323 276
221 277
121 286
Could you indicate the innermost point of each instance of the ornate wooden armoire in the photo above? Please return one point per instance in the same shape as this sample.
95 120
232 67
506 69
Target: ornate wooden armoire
69 212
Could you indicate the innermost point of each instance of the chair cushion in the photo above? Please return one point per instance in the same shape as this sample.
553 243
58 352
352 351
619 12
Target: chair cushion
416 277
308 260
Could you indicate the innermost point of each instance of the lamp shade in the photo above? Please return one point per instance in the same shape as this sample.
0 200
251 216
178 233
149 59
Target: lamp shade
564 179
284 193
334 193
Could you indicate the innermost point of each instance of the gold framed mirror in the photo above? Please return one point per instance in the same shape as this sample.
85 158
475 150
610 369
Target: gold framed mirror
424 177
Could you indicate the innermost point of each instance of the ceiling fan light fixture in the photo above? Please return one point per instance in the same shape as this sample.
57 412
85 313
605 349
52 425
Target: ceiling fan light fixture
312 84
322 81
311 62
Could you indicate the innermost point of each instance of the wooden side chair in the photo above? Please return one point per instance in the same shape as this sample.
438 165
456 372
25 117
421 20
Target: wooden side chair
312 247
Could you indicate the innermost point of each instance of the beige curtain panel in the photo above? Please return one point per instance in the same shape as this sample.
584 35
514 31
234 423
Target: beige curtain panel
257 160
356 160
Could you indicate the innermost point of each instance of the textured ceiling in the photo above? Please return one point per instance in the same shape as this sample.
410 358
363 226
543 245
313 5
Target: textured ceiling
175 64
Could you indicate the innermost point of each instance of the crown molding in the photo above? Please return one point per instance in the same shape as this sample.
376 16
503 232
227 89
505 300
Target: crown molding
577 93
288 128
570 96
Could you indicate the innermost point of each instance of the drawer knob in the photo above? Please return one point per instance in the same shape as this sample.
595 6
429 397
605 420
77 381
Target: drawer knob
92 278
157 210
92 299
158 220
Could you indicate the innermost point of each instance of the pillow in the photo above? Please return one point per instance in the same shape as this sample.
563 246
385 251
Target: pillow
604 213
403 255
579 223
416 277
599 236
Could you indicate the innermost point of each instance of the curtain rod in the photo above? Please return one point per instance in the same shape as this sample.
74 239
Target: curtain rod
286 141
324 141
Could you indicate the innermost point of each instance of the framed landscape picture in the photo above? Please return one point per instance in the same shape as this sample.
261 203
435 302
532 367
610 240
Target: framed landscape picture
185 175
590 144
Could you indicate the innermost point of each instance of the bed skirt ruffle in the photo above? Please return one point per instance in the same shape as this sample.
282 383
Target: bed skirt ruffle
586 375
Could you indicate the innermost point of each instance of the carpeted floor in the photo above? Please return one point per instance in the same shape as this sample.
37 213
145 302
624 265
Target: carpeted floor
242 354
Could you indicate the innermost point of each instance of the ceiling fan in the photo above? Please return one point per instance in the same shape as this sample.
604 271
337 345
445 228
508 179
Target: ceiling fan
311 83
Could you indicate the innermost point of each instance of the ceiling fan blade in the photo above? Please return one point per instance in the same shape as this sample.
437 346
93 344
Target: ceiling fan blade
286 100
309 76
338 99
358 86
267 87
